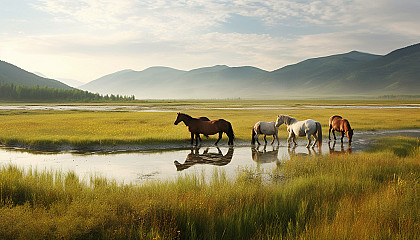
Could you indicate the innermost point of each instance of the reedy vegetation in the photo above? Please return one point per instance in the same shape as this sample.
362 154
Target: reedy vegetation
372 195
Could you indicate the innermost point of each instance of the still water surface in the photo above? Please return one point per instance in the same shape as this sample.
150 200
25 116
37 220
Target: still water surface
163 164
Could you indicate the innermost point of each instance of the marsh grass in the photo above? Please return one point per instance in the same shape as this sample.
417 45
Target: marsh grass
84 128
370 195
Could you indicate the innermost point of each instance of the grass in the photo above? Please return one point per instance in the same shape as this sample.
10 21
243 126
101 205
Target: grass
81 128
372 195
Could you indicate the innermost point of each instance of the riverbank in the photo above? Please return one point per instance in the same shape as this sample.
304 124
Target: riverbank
359 196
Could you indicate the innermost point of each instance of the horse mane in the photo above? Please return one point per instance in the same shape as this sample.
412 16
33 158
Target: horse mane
186 115
288 120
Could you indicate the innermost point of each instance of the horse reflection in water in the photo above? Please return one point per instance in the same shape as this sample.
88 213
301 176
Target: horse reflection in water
265 156
292 152
206 157
342 151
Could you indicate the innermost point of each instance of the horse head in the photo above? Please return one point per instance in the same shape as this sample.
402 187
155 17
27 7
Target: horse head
279 121
178 118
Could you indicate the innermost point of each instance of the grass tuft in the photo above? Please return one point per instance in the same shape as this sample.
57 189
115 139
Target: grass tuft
372 195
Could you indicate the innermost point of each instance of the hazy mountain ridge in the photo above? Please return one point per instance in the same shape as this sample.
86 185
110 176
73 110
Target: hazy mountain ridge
12 74
350 74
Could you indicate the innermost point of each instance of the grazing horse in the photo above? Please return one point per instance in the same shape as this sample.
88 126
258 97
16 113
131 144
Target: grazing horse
306 128
197 127
265 128
337 123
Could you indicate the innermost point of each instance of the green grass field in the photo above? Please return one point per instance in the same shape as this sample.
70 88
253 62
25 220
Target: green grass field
81 128
372 195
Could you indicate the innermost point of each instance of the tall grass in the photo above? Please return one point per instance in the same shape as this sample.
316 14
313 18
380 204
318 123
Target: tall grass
371 195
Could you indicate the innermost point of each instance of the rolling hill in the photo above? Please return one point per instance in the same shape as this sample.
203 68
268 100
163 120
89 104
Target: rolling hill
350 74
12 74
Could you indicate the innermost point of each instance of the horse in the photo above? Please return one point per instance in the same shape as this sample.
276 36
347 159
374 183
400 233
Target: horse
337 123
203 119
197 127
306 128
266 128
217 159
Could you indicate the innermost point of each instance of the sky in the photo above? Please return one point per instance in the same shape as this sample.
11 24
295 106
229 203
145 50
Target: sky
87 39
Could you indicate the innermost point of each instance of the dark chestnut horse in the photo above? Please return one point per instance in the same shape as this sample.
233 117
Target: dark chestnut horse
337 123
197 127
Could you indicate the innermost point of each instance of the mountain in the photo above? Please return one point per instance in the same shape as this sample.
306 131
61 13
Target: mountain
349 74
71 82
162 82
12 74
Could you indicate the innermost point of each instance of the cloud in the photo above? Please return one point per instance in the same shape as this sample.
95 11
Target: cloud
195 33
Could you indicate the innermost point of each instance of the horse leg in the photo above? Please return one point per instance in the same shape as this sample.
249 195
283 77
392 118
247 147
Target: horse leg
329 132
334 134
197 137
308 136
256 138
274 138
277 137
316 139
342 136
220 137
192 138
265 139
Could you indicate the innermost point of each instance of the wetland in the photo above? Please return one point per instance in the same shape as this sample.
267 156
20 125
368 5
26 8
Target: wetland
131 174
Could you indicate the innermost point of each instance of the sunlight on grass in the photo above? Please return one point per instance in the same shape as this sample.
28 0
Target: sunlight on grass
371 195
81 128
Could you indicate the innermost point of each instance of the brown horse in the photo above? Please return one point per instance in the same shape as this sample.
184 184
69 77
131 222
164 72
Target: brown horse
197 127
337 123
203 119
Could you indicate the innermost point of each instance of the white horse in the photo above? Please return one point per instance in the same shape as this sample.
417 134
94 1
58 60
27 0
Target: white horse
265 128
306 128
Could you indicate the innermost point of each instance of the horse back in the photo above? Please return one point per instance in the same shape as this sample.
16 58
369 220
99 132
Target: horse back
341 125
267 127
212 127
334 118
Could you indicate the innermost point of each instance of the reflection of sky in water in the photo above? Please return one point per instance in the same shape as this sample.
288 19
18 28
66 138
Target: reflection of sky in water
137 167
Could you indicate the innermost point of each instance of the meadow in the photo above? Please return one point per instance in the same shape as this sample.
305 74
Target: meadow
371 195
84 128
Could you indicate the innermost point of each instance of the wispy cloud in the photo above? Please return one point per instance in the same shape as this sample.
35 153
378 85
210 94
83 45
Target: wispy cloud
194 33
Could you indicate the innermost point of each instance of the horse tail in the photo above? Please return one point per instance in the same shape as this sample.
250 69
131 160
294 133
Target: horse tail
319 131
253 136
230 131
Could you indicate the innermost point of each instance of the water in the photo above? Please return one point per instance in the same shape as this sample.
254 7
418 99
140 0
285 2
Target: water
165 163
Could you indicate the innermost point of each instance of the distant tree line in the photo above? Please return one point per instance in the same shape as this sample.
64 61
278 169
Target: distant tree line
11 92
